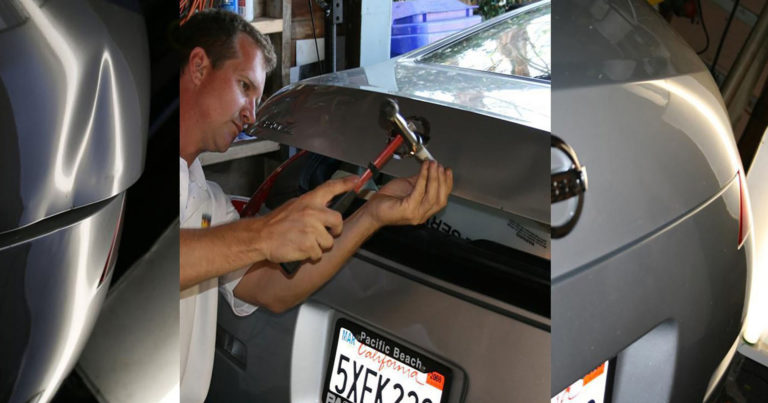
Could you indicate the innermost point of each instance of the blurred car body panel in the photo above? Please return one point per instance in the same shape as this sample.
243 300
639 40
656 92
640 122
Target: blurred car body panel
74 102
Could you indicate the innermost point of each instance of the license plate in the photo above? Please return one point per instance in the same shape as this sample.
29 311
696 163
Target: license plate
589 389
365 366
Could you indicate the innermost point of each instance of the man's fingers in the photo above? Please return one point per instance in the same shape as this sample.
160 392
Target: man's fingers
316 253
325 240
442 184
417 194
333 221
325 192
433 182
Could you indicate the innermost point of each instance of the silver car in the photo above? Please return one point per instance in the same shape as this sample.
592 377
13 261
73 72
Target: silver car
74 97
453 310
652 254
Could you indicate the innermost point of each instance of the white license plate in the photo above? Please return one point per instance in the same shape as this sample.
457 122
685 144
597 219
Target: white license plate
367 367
589 389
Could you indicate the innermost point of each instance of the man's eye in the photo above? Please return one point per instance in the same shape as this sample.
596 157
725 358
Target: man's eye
244 85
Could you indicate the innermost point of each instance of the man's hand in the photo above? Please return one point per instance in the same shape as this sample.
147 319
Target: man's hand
411 201
303 227
401 201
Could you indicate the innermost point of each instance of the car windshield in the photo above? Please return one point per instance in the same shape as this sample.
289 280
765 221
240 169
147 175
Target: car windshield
518 46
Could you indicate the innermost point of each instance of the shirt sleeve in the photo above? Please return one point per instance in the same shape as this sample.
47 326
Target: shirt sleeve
225 212
227 284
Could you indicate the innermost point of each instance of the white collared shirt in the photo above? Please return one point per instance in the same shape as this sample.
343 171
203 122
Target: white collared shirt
202 201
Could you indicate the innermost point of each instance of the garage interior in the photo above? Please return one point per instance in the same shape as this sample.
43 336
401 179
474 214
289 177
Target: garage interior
731 37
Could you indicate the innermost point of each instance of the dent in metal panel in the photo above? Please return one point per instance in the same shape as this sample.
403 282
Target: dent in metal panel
79 110
58 297
497 163
654 150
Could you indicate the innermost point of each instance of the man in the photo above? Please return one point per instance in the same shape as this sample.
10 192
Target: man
224 65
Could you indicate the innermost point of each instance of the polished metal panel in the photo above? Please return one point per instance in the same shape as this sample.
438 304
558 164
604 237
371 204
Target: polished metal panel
497 163
51 297
654 149
682 281
74 101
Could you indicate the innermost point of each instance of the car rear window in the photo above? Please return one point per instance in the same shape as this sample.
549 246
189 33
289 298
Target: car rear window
517 46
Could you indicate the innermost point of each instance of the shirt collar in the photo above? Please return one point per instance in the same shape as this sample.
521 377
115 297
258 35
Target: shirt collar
196 174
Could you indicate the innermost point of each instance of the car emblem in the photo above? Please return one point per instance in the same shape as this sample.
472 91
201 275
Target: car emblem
568 185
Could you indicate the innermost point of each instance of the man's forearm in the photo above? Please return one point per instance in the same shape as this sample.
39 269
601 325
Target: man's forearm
211 252
266 285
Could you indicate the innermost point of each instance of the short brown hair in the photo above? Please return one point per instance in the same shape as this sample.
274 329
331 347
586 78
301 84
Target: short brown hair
216 31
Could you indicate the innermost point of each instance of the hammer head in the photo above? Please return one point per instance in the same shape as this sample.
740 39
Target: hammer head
390 118
387 113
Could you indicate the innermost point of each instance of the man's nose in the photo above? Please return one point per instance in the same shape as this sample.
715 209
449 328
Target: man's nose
248 113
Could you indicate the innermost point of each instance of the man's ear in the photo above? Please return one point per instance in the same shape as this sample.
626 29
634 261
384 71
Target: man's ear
199 65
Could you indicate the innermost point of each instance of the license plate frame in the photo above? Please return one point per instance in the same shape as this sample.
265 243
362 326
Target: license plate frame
374 358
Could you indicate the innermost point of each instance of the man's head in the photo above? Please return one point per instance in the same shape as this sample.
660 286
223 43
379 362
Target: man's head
224 64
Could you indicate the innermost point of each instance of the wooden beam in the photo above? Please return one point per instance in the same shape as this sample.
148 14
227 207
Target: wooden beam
267 25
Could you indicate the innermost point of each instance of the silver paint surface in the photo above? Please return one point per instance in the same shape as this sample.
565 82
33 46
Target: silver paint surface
502 358
491 129
683 275
61 298
74 94
497 163
653 263
658 149
139 328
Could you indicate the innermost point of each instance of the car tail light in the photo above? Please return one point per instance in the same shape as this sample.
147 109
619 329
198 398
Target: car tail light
744 213
105 270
